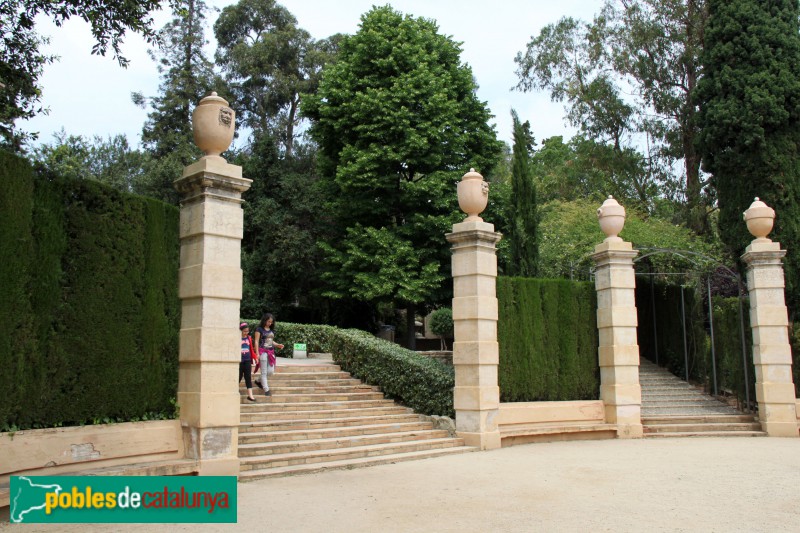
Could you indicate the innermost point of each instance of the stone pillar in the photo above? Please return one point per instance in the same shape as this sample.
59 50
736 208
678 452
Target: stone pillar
210 289
769 320
615 282
475 350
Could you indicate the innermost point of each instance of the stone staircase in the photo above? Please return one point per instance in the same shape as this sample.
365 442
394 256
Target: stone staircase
672 407
320 418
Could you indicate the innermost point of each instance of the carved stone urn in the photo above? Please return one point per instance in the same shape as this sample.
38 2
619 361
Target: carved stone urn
611 217
213 125
473 194
760 219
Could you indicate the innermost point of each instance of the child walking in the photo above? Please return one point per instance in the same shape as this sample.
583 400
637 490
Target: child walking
248 355
265 340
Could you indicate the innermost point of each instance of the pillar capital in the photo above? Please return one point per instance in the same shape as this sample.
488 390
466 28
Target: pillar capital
763 254
212 177
609 250
473 233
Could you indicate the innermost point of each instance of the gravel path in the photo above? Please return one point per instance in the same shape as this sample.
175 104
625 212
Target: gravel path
698 484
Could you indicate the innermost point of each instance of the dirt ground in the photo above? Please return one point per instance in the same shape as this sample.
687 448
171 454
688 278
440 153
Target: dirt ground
692 484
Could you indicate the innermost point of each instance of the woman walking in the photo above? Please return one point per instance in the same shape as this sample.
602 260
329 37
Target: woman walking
248 354
265 341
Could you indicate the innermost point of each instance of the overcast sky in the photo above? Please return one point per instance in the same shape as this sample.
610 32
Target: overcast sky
90 95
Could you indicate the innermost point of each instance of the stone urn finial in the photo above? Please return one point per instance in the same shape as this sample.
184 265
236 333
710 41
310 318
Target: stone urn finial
760 219
473 194
213 124
611 217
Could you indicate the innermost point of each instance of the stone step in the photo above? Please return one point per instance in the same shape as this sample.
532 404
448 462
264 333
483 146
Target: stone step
699 419
325 414
320 456
671 384
675 397
290 375
278 397
668 391
270 407
689 408
319 423
249 475
700 401
272 435
320 389
707 434
685 411
698 427
307 369
261 449
306 381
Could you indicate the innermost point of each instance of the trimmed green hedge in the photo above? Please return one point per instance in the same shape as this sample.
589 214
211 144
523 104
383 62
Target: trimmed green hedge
423 384
728 348
669 329
89 310
547 331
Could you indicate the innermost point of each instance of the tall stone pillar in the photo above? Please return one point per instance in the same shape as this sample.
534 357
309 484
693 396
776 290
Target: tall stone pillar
615 283
769 320
475 349
210 289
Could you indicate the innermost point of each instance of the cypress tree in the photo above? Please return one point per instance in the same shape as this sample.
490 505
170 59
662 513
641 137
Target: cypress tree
524 218
749 117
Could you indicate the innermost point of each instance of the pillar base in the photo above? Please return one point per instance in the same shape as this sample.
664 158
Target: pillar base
482 441
781 429
630 431
219 467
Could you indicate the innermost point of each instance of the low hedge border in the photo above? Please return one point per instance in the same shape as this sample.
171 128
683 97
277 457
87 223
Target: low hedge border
418 382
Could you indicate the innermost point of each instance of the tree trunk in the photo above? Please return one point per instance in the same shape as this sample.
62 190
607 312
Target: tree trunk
697 218
290 126
411 336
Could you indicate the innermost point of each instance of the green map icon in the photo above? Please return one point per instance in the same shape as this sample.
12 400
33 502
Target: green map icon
28 499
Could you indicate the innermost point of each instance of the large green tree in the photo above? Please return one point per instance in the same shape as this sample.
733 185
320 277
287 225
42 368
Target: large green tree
569 232
584 168
22 61
749 101
524 213
627 78
186 77
397 121
111 161
269 62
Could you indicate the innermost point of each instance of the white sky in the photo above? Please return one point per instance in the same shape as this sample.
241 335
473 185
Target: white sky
90 95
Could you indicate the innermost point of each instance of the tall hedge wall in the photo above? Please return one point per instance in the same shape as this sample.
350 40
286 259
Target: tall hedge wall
728 348
547 332
668 333
89 311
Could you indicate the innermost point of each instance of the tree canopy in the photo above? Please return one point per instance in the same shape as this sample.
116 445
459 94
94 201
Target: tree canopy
627 78
22 62
397 121
524 213
269 62
749 117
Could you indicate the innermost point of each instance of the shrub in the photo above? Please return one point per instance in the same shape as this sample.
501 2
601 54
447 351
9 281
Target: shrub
423 384
442 324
